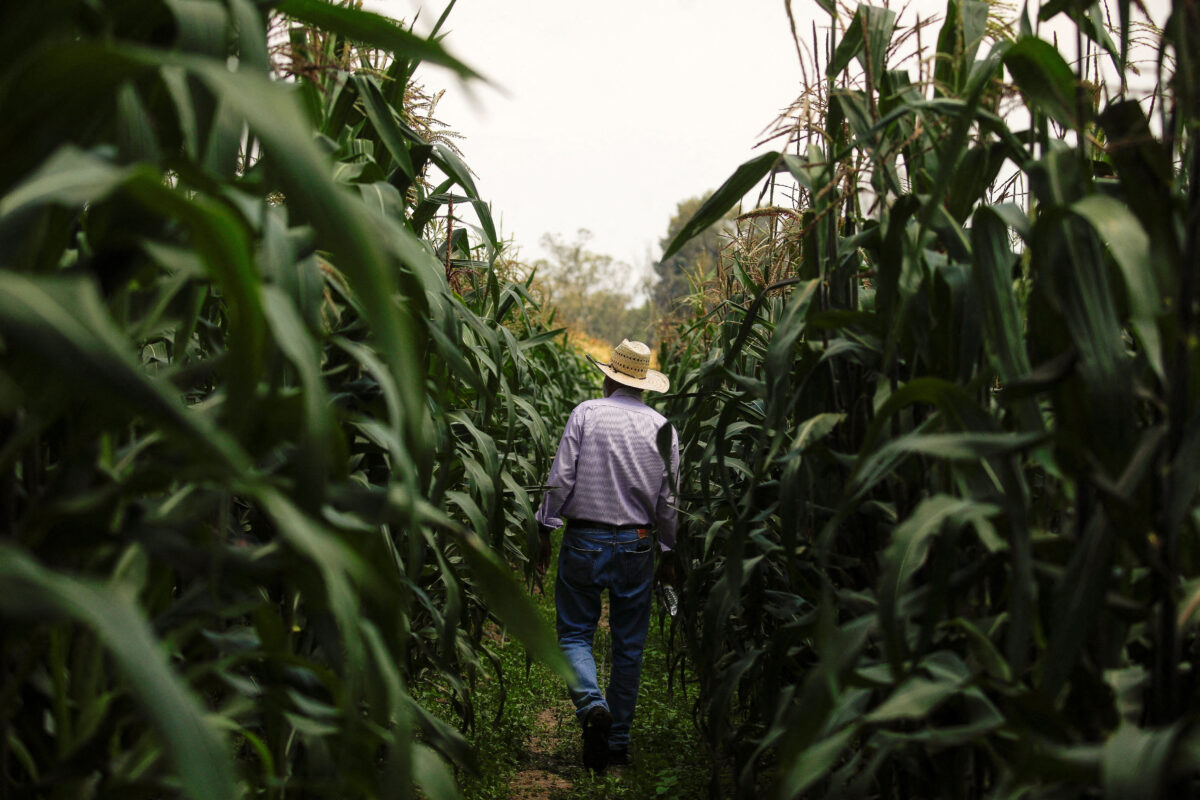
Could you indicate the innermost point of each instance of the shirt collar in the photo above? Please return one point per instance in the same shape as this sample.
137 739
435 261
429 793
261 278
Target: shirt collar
627 393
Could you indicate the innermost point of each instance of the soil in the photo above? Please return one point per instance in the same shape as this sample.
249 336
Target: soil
549 760
552 758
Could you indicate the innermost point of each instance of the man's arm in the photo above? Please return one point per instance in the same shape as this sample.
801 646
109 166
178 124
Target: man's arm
562 483
665 509
667 516
543 554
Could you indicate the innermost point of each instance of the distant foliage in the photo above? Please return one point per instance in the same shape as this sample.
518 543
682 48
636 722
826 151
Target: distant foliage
939 433
589 292
681 281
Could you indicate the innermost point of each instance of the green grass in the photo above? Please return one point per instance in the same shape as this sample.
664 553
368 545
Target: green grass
533 751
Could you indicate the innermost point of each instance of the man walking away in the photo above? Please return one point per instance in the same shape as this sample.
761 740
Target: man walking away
611 488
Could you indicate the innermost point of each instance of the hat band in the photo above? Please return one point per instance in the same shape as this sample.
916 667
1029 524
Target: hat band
628 366
615 367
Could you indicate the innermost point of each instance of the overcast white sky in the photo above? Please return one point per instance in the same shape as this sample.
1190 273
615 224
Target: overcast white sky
611 113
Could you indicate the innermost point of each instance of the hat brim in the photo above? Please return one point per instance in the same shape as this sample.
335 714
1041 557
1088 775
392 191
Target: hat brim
654 381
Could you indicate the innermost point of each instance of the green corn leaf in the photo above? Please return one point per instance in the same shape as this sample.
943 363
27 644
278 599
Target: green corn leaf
983 649
251 35
1126 240
296 343
72 177
224 143
276 119
1143 166
63 322
1182 470
913 699
867 39
1067 251
788 330
180 91
967 446
992 278
433 776
1135 763
961 34
381 116
726 197
1044 78
848 47
372 29
449 162
812 764
813 430
1089 18
1082 587
376 368
199 756
907 553
506 600
69 177
135 129
202 26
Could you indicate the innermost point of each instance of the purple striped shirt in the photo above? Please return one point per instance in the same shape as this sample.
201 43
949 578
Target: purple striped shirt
608 469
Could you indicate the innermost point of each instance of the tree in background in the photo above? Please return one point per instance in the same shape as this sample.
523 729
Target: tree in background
693 264
586 290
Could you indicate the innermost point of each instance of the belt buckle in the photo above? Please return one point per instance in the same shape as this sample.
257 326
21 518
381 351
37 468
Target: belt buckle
643 532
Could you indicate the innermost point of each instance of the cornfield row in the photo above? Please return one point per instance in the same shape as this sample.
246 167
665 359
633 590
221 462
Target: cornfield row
270 429
940 440
269 426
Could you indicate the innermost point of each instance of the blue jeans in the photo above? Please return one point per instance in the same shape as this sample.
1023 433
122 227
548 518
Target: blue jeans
589 562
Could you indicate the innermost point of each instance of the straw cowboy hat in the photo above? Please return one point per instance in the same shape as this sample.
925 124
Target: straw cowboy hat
630 365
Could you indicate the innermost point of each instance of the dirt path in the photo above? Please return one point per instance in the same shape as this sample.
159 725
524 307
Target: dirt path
534 751
548 769
552 762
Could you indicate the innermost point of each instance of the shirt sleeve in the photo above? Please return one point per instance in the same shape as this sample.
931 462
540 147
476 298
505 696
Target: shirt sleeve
665 511
561 481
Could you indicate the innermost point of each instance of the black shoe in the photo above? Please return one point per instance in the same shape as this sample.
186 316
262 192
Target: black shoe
619 758
596 726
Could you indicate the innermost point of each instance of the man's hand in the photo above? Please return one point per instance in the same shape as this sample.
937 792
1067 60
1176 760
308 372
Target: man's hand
664 574
543 554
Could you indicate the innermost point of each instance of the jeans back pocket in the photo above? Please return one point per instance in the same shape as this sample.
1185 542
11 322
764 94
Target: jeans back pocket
579 562
637 562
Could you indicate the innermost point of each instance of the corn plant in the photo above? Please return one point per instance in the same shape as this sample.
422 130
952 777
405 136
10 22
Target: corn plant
263 468
939 438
